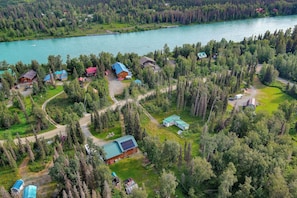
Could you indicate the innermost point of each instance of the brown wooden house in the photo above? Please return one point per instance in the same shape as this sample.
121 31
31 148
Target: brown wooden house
120 148
121 70
28 76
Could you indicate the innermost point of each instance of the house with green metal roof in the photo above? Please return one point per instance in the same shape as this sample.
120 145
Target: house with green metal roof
120 148
6 71
169 121
175 120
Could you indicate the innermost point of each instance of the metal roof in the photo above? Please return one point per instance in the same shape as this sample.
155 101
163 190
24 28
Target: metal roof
119 67
30 192
116 148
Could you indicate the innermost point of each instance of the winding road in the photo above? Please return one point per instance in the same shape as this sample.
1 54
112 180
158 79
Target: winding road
86 120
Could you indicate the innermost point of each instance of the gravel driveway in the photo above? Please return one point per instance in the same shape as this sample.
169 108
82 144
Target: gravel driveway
248 93
115 86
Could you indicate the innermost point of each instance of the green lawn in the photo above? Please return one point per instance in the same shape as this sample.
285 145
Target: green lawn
8 176
269 98
116 130
133 167
23 128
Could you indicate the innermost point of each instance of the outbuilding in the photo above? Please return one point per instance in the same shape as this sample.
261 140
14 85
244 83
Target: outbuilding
17 187
30 192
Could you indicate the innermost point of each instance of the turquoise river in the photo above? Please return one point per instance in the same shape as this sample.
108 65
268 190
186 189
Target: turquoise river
141 42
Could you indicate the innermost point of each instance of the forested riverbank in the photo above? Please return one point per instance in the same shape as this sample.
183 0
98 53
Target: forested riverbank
22 20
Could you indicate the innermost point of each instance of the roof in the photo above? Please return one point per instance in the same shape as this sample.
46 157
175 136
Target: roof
47 78
60 72
111 150
119 68
182 123
145 59
18 184
30 192
30 74
91 70
137 81
202 55
171 118
6 71
119 145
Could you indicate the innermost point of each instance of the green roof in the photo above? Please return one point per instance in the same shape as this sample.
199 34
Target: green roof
118 146
182 123
8 71
171 118
111 150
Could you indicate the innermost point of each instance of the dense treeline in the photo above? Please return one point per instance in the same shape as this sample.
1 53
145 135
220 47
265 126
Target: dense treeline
241 153
61 18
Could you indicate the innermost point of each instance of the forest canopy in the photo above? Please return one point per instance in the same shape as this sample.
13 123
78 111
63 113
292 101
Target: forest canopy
37 19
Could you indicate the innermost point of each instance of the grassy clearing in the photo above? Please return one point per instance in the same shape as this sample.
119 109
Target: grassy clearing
133 167
7 177
24 128
170 133
269 97
116 130
40 99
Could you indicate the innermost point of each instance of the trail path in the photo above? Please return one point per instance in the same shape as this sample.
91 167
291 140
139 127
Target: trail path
87 119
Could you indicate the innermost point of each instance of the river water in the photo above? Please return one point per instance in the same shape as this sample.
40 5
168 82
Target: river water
141 42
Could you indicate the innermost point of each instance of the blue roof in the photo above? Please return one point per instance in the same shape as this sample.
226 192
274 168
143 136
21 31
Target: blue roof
18 184
119 145
30 192
119 67
137 81
47 78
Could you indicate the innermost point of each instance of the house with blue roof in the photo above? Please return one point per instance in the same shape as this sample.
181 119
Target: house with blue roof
58 75
120 148
121 70
30 192
17 187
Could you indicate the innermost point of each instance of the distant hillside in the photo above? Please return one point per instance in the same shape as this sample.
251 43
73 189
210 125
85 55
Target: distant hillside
29 19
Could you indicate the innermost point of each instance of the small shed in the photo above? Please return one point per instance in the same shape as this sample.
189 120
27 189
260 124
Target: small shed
30 192
91 71
28 76
202 55
17 187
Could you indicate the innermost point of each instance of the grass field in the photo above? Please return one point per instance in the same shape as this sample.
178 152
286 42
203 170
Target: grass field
133 167
7 177
23 128
116 130
269 98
